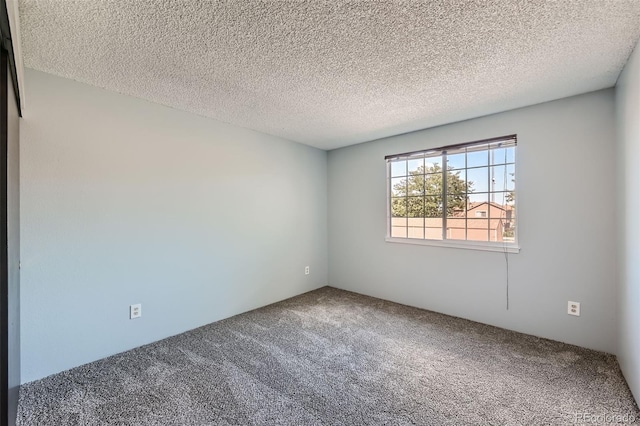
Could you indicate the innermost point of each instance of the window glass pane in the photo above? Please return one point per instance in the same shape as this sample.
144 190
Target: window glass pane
456 205
511 177
503 178
416 166
415 207
477 229
433 206
495 229
456 181
433 184
433 228
456 161
498 178
456 228
433 164
497 156
476 200
399 207
416 233
399 187
398 221
399 232
510 199
501 199
478 179
415 222
477 158
398 168
415 185
509 227
503 155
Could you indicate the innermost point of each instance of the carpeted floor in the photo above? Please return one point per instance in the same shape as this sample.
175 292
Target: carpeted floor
331 357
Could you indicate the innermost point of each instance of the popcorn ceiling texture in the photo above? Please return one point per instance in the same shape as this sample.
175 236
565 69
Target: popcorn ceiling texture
334 73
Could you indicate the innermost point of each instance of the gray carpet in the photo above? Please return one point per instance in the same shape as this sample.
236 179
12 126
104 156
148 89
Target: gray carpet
331 357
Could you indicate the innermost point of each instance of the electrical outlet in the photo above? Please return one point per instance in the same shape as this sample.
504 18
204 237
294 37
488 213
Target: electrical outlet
573 308
135 311
306 270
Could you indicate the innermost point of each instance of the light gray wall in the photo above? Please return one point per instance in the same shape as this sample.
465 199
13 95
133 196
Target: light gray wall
628 132
125 201
566 202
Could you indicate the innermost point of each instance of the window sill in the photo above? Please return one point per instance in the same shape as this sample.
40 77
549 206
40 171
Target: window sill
469 245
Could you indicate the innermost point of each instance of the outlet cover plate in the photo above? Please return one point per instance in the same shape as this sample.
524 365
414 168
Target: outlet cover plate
135 311
573 308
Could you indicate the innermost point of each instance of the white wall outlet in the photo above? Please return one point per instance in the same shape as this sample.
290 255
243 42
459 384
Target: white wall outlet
135 311
573 308
306 270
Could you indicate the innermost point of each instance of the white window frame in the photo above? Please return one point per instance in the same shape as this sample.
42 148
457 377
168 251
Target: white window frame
506 247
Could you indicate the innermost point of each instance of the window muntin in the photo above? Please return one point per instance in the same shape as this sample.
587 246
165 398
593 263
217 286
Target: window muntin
472 199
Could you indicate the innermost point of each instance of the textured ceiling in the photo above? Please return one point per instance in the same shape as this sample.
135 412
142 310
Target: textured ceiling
334 73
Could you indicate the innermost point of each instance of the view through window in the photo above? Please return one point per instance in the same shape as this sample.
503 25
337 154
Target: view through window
462 192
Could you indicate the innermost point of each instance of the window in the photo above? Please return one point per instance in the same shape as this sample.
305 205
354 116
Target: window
460 196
